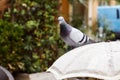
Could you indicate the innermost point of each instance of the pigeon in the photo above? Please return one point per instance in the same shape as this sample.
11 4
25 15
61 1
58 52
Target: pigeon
72 36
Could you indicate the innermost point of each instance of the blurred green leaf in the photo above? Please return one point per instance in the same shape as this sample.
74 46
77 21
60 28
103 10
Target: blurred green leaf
29 40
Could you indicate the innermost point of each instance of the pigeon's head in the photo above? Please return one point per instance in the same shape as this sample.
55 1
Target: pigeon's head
61 19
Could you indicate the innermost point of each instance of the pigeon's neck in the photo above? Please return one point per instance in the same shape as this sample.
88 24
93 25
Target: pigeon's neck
65 29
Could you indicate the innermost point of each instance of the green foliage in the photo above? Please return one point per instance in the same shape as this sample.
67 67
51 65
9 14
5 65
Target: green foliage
29 36
106 32
10 44
109 35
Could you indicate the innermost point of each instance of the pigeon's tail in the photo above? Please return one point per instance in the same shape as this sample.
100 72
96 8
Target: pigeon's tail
92 41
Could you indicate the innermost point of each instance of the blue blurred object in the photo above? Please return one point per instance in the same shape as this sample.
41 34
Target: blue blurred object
109 16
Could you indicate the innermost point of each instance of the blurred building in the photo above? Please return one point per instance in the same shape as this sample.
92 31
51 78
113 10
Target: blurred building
86 9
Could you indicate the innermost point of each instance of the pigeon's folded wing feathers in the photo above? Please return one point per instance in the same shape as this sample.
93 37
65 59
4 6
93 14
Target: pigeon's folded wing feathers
77 36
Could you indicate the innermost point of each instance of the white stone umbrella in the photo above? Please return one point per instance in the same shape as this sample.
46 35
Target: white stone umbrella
98 60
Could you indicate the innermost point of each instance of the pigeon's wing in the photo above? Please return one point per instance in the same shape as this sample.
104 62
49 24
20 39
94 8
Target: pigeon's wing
78 37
